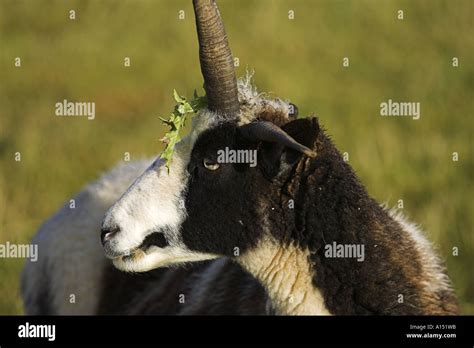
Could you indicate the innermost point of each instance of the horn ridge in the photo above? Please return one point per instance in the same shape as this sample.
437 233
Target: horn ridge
215 56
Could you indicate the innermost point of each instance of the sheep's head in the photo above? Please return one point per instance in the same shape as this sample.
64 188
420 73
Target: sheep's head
210 204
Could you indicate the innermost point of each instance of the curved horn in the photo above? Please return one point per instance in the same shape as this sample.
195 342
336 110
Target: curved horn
267 131
217 64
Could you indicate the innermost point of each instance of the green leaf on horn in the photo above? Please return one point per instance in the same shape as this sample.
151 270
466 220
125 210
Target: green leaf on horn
177 120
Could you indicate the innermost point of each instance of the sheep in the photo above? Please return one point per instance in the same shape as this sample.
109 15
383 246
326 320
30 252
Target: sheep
260 239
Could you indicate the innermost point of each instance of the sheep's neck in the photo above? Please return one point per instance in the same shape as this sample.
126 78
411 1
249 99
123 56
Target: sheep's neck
287 276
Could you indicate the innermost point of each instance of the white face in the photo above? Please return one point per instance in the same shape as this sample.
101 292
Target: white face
154 204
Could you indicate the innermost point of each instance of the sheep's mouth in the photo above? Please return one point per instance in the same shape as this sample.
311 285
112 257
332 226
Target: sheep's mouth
154 239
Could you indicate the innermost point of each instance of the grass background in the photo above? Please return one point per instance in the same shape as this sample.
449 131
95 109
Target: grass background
300 59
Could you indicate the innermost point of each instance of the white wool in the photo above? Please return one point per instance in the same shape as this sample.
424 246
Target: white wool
70 256
252 102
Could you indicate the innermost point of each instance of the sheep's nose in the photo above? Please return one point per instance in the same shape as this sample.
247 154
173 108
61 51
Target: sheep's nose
107 233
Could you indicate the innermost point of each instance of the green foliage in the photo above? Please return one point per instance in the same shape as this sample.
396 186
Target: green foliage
177 121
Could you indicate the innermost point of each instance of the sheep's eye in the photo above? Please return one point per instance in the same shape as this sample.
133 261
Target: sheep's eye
210 165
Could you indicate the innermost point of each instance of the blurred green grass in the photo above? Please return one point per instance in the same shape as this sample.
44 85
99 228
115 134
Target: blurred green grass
300 59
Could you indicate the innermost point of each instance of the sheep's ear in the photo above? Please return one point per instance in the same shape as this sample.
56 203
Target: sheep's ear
304 131
271 155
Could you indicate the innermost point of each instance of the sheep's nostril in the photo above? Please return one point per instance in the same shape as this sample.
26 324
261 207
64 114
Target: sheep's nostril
108 236
108 233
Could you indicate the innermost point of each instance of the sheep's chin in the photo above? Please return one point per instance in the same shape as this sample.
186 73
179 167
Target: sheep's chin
156 257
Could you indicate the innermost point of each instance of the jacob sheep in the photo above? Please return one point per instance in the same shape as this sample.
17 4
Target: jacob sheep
257 236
